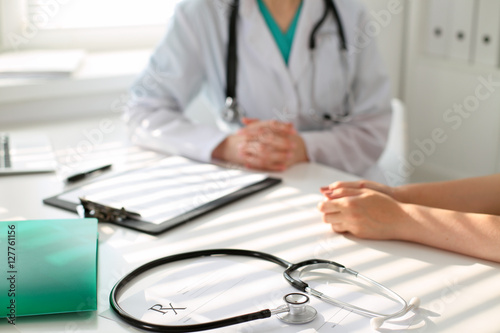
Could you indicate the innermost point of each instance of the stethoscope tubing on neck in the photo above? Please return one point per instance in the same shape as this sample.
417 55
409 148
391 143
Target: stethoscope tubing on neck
232 113
232 56
329 7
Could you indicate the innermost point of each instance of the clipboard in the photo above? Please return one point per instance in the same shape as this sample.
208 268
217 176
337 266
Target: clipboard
167 193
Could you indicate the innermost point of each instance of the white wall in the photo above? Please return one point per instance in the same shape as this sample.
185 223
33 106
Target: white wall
446 143
389 17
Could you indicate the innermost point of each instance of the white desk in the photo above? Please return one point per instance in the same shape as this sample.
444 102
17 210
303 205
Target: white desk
458 293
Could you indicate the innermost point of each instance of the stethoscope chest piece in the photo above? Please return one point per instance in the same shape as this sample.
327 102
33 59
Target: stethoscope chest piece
232 112
298 310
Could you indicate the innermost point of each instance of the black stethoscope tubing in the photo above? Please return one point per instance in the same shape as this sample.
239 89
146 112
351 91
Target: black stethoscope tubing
117 289
289 268
232 56
329 7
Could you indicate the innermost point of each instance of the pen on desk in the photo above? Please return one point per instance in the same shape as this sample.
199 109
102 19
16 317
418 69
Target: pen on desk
83 175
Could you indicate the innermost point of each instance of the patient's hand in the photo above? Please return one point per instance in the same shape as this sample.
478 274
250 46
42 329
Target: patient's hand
364 212
336 188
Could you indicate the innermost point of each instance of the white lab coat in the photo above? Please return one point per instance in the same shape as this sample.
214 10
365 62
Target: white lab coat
193 55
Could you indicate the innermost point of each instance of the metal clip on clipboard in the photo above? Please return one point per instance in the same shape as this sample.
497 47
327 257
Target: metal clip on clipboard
105 213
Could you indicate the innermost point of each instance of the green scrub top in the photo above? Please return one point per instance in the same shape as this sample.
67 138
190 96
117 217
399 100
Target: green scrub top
284 40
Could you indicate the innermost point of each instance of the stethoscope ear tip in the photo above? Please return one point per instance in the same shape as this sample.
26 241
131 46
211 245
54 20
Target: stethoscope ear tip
413 304
376 322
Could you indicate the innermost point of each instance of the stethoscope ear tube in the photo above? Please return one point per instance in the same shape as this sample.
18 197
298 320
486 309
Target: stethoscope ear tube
299 312
232 112
301 285
377 318
232 57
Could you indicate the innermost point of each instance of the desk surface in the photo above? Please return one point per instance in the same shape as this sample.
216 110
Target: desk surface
458 293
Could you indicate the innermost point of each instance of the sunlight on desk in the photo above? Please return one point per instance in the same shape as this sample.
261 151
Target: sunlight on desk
253 224
458 293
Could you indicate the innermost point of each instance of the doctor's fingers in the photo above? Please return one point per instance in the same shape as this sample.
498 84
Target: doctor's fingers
248 121
257 163
269 126
265 151
259 156
263 163
277 141
260 163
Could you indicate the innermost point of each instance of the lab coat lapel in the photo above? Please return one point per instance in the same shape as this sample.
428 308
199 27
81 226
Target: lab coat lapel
257 34
300 55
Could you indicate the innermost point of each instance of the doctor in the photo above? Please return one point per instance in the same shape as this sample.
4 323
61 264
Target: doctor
283 101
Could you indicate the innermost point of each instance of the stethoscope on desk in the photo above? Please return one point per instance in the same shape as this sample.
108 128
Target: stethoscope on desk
233 112
295 311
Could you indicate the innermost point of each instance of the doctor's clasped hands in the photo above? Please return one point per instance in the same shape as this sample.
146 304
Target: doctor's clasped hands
267 145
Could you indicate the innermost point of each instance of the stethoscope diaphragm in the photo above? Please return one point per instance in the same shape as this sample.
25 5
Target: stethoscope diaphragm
298 310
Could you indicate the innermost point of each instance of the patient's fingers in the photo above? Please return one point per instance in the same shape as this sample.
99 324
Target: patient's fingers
341 193
360 184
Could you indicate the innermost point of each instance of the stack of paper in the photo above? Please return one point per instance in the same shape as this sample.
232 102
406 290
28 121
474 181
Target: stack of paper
40 63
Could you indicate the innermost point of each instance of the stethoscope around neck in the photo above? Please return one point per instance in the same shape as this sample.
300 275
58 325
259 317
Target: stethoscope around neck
295 310
232 112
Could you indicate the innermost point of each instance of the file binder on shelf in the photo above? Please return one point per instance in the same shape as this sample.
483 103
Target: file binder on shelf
462 29
438 30
487 41
157 198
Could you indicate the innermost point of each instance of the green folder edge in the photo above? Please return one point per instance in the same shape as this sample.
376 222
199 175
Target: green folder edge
48 267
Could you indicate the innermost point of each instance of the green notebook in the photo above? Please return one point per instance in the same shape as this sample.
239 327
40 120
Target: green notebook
47 266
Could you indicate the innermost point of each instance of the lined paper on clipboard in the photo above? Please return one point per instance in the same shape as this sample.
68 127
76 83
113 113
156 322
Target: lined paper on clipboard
169 192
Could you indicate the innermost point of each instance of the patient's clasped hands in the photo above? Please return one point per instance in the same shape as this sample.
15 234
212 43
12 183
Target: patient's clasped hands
365 209
460 215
